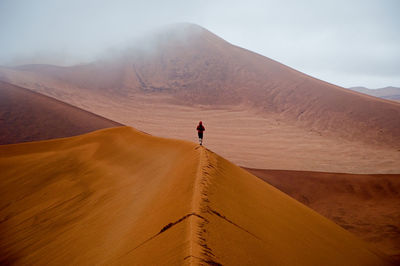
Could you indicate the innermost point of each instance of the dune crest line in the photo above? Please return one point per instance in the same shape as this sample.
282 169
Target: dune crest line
198 246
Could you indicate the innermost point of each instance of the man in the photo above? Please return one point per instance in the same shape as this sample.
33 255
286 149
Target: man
200 130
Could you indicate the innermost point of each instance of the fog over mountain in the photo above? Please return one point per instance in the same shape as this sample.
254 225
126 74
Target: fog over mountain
348 44
187 66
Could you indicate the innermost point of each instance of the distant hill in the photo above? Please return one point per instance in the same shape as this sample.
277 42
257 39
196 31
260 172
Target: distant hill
258 112
29 116
189 65
390 93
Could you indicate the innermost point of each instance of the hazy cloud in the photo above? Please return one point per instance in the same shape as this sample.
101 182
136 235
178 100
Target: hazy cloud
344 42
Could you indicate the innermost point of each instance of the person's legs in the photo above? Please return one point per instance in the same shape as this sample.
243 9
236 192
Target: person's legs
200 137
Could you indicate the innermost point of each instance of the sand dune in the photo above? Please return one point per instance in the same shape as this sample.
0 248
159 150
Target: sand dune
118 196
366 205
248 139
29 116
245 137
193 66
279 117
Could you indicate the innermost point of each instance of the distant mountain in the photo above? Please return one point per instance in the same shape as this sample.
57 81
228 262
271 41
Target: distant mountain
390 93
188 65
28 116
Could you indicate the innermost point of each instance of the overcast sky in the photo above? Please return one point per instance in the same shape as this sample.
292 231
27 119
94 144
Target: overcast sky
345 42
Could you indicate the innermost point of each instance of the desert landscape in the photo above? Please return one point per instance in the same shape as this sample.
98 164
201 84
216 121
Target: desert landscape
100 161
194 75
110 197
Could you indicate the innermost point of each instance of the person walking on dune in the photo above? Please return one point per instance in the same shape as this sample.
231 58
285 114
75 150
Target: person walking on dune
200 130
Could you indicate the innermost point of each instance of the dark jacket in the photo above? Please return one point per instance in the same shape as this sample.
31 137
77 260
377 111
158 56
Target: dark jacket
200 128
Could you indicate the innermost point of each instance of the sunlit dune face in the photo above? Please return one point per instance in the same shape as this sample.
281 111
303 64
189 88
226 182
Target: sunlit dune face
115 196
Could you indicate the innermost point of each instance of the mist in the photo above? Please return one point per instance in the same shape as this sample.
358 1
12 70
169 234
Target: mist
348 44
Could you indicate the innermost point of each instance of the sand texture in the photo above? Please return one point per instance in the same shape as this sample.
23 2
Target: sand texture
366 205
119 196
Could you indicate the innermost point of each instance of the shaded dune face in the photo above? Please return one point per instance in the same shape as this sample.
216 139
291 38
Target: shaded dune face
119 196
366 205
189 65
28 116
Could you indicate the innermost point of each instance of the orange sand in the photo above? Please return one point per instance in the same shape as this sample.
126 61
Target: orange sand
118 196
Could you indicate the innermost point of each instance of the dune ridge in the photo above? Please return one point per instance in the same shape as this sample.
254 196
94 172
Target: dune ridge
119 196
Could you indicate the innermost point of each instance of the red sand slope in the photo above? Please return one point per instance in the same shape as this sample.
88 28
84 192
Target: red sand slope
366 205
118 196
28 116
